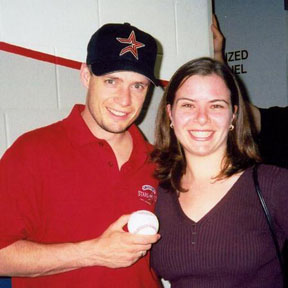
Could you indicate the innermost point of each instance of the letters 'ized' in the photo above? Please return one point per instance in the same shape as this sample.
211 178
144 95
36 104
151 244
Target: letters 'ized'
236 55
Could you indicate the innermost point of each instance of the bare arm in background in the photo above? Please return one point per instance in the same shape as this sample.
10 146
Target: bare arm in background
218 40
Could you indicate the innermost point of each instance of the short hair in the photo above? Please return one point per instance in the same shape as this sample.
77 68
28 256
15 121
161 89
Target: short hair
168 154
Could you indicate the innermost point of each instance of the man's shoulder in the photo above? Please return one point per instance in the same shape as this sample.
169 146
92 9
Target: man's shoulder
43 135
38 141
140 137
149 146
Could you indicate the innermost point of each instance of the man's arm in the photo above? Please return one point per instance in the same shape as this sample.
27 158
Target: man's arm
115 248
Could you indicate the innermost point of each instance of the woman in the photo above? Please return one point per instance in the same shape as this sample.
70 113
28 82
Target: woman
213 229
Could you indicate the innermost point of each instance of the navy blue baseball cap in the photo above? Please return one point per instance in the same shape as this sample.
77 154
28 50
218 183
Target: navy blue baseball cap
122 47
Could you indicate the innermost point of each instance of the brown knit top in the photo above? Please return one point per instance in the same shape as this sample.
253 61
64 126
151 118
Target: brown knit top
231 246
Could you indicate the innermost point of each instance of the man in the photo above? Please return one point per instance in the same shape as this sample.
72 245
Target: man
63 185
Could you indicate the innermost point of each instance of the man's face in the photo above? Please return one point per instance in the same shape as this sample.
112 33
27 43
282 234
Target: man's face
114 101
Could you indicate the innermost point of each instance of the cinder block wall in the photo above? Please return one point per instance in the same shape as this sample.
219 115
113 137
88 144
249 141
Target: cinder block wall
34 93
39 93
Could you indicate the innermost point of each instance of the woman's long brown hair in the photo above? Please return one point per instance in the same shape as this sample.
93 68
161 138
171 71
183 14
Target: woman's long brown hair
168 154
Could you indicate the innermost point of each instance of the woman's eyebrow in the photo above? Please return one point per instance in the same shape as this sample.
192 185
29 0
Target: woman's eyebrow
219 100
186 99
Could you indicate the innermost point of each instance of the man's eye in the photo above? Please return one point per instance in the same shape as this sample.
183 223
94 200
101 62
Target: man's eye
139 86
110 81
187 105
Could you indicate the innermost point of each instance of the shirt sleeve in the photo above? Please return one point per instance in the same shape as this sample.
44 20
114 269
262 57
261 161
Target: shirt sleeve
18 196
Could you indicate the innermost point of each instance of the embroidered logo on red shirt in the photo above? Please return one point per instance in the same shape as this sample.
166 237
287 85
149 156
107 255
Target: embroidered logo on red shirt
148 194
134 45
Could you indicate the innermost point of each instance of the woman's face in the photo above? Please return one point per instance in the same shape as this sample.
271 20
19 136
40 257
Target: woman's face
202 114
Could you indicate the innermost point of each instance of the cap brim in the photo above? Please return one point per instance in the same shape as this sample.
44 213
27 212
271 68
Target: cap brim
101 68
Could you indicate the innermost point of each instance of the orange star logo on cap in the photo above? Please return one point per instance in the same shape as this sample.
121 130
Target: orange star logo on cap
132 48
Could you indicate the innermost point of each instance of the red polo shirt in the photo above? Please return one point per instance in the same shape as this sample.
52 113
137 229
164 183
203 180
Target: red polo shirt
61 184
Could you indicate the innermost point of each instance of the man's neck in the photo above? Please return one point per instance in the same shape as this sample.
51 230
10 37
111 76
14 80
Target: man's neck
122 148
121 143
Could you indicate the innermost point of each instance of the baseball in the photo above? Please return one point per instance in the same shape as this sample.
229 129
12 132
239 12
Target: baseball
143 222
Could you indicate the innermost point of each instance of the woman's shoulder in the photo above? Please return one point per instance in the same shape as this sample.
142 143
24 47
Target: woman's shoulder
272 170
270 177
273 178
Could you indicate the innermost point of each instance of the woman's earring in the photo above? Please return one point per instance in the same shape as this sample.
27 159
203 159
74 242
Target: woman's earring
171 125
231 128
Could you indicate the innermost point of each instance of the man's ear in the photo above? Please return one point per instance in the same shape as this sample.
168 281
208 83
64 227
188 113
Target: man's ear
85 75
